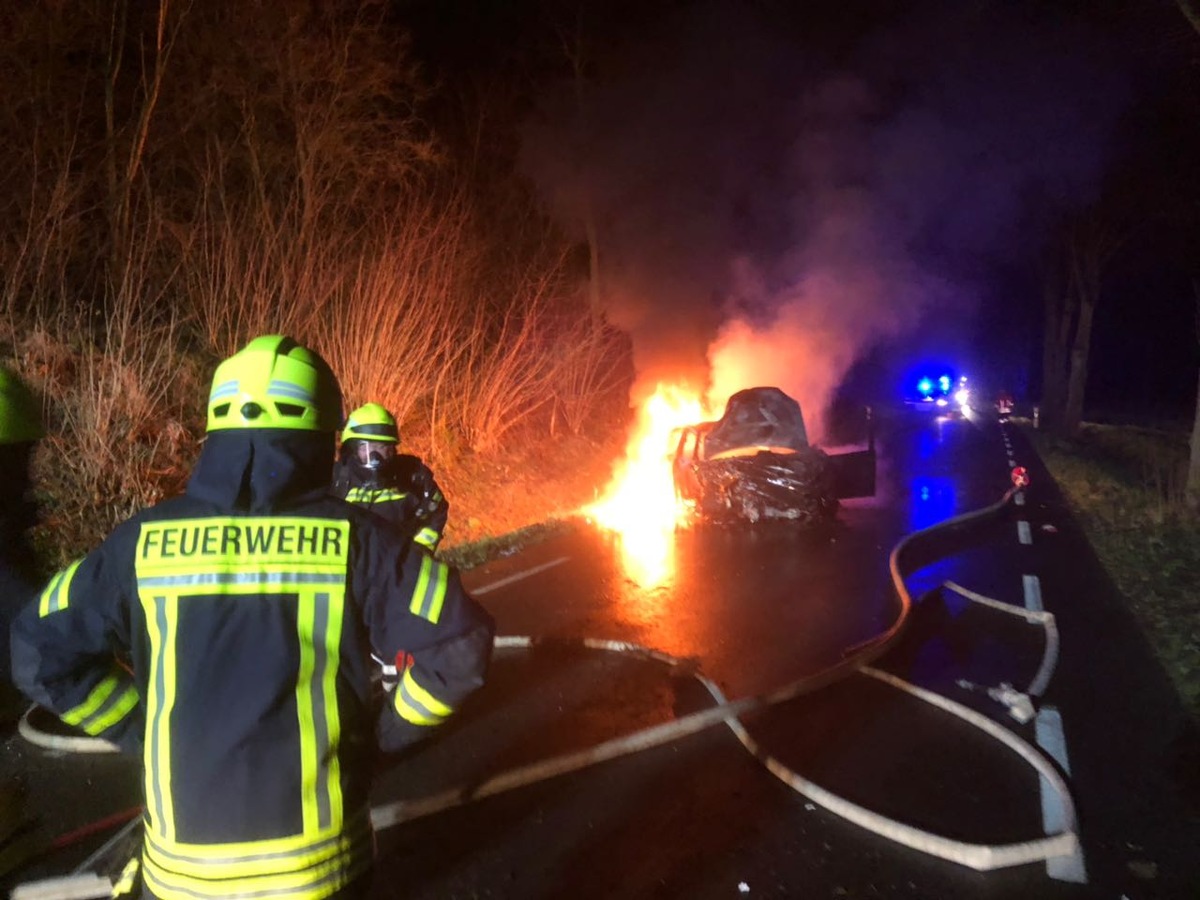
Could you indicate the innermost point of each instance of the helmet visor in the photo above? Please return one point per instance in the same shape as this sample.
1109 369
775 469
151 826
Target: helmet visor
373 454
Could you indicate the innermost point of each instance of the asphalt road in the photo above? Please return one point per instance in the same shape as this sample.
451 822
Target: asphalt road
753 609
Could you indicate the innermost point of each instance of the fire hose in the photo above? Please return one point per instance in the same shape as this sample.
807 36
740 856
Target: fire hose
981 857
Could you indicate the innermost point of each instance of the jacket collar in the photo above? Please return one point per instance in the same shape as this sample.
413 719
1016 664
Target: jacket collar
262 470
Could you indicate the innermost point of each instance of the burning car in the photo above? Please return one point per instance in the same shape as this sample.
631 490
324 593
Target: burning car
755 463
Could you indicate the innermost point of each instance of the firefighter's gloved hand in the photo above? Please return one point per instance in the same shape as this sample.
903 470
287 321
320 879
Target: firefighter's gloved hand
395 735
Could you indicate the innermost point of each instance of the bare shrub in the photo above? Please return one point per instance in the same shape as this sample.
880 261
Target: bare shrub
395 324
208 173
247 273
594 367
502 376
119 400
42 234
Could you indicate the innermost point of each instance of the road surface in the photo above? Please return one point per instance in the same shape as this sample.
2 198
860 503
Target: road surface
753 609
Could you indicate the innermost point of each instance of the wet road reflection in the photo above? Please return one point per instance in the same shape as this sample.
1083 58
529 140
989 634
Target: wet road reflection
647 557
932 501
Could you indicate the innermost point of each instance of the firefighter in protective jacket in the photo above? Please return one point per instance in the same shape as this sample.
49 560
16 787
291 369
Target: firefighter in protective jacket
397 486
248 610
20 430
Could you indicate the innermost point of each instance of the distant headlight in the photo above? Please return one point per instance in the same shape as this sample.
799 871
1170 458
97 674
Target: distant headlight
941 401
962 396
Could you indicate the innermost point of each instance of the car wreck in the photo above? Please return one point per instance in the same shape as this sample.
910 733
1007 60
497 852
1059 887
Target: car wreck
755 464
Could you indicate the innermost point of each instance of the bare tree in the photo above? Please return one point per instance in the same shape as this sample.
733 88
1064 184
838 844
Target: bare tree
1192 491
575 50
1091 245
1055 341
1072 290
122 174
1191 11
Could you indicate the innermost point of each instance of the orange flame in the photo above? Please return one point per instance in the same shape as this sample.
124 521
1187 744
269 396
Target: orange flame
639 504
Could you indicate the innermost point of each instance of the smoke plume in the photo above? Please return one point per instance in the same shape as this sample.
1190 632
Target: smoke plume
768 203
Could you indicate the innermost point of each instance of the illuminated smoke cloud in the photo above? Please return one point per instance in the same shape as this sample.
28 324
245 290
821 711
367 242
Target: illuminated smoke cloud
765 217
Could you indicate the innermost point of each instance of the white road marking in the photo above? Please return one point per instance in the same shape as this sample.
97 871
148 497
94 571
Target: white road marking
517 576
1019 498
1033 592
1050 738
1024 535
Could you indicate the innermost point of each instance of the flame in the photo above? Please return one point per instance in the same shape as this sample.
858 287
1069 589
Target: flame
639 504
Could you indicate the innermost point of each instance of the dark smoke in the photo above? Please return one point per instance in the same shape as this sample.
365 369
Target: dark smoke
767 214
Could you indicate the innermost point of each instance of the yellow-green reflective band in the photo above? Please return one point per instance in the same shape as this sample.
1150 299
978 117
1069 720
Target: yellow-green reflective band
161 622
373 495
268 856
428 537
125 884
430 593
314 884
332 711
320 627
95 699
57 595
416 705
292 867
124 704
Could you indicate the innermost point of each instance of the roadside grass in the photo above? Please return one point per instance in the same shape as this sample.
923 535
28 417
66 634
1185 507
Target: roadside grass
468 556
1126 486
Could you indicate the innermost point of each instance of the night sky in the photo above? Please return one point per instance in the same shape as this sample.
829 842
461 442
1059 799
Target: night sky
854 184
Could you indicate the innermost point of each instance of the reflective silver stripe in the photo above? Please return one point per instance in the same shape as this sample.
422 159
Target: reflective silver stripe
412 702
357 832
288 389
160 690
206 578
320 715
223 390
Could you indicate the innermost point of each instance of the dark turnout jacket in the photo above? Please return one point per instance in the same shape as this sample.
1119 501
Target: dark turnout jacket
226 635
18 577
403 491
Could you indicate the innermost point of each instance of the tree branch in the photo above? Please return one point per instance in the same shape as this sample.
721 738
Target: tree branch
1191 12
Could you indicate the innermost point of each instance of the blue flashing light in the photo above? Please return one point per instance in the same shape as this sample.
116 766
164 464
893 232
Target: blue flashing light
944 383
925 386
